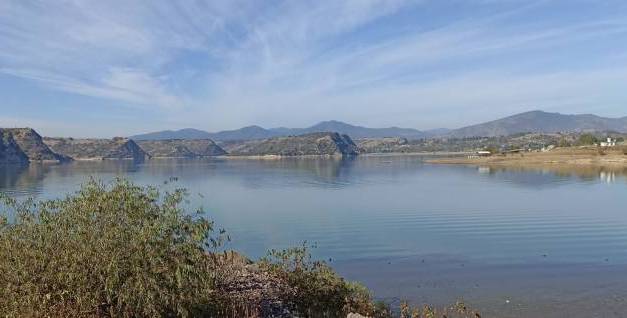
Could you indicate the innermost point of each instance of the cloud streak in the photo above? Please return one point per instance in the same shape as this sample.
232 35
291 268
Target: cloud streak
223 64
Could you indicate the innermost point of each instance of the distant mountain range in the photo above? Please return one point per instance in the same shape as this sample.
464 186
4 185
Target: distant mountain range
542 122
256 132
533 121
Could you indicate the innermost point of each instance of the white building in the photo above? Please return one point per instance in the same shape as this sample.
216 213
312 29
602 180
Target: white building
610 142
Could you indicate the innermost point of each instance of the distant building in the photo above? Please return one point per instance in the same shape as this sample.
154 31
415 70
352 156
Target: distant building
479 154
610 142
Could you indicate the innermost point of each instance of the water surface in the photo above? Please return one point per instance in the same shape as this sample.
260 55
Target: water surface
517 243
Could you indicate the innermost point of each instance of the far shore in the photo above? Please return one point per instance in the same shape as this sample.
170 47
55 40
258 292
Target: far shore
571 156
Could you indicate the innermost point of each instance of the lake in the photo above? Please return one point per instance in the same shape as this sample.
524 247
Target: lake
548 242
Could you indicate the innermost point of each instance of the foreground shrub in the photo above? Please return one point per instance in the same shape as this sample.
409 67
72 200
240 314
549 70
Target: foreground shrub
318 290
118 250
122 250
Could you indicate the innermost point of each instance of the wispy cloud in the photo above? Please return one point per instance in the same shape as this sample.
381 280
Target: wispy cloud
221 64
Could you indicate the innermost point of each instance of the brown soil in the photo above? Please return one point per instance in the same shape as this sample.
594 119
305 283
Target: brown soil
572 156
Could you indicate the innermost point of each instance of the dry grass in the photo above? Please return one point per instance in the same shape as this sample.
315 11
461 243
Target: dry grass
580 156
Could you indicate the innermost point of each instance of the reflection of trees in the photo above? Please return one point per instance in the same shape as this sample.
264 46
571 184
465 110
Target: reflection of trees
545 174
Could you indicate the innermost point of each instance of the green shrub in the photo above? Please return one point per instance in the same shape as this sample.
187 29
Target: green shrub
587 139
118 250
319 291
122 250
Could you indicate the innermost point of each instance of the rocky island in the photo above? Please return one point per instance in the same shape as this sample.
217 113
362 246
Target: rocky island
181 148
32 144
21 145
314 144
97 149
10 151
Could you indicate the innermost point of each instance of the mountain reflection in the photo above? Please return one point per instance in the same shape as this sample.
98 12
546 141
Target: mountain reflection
331 173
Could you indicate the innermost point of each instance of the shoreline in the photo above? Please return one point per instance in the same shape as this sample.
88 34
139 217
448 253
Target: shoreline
583 156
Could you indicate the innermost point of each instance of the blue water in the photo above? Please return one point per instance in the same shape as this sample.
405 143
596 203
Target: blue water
370 214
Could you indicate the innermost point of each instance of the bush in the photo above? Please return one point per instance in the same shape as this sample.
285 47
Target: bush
319 291
587 139
117 250
122 250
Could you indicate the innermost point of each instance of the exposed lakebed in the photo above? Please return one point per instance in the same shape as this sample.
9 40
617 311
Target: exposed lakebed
512 242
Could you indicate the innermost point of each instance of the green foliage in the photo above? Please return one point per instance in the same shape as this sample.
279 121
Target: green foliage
458 310
319 291
587 139
122 250
117 250
563 142
493 149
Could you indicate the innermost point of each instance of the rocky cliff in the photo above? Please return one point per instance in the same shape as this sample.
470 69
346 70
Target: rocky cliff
33 146
178 148
94 149
10 152
315 144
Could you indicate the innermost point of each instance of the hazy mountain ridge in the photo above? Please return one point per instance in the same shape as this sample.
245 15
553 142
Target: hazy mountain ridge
542 122
256 132
187 133
527 122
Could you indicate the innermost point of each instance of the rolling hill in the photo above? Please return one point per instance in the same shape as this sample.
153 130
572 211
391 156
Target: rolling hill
256 132
532 121
542 122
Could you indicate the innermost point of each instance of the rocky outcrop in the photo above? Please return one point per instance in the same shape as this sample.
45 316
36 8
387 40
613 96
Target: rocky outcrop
179 148
33 146
97 149
252 289
315 144
10 152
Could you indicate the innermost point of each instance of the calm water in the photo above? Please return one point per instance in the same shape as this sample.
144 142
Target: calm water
513 242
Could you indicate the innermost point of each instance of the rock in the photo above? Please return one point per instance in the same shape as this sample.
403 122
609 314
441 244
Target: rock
315 144
10 151
34 147
353 315
180 148
252 290
97 149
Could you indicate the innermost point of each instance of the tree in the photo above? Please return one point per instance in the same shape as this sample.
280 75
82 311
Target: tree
587 139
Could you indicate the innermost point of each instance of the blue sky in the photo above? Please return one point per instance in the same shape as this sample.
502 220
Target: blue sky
106 68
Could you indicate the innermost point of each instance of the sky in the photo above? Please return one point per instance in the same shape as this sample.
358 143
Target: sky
116 68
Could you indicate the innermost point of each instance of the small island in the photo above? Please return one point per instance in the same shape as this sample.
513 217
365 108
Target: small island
97 149
181 148
314 144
